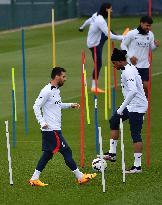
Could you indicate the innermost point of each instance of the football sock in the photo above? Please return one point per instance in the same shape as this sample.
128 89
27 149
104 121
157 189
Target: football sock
36 175
93 84
78 174
113 145
137 159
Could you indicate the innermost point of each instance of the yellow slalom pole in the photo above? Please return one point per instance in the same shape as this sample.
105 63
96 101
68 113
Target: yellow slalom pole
53 40
106 95
14 89
86 96
109 60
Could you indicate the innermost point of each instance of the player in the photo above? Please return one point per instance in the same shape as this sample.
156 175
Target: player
97 35
138 43
49 101
133 108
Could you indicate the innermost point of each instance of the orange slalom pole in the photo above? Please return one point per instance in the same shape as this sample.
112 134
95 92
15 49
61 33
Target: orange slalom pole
82 115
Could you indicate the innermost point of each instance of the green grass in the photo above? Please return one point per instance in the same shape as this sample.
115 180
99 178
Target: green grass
145 188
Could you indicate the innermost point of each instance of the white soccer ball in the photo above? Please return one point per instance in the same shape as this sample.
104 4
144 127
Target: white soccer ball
96 165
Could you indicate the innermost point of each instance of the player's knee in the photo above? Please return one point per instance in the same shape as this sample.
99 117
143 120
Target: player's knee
114 122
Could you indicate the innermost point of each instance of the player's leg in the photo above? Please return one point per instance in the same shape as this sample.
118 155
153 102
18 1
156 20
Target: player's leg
99 65
114 134
144 73
145 87
49 147
136 121
67 154
46 156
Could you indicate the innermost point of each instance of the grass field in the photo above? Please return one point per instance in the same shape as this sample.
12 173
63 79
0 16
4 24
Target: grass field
141 189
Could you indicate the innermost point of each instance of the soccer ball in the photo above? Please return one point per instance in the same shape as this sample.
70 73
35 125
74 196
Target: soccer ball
96 164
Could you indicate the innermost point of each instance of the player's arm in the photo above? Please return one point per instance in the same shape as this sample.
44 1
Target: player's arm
40 101
85 24
103 27
131 82
70 105
125 44
154 44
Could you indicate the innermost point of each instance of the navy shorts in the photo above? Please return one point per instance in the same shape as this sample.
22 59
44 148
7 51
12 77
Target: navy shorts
53 141
135 121
144 73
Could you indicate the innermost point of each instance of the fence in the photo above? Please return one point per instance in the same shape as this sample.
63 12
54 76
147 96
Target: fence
19 13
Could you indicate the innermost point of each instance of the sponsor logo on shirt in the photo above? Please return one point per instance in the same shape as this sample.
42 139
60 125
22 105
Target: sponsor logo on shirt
130 79
57 102
143 44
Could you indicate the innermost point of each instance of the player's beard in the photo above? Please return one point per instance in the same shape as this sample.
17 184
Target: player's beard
60 83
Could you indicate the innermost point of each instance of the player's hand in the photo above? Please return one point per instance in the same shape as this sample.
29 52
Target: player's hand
133 60
119 112
157 43
81 29
75 106
45 126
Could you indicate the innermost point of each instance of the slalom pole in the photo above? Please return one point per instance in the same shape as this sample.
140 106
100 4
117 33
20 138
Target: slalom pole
86 88
96 101
113 99
114 88
122 149
53 40
109 60
106 95
150 7
86 97
149 114
13 121
101 156
14 89
114 69
9 154
24 82
82 116
149 99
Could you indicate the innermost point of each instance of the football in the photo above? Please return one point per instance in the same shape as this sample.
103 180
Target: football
96 164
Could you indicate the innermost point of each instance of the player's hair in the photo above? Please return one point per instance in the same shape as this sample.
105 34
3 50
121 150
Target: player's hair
57 71
103 8
118 55
146 19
